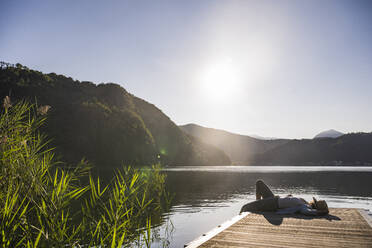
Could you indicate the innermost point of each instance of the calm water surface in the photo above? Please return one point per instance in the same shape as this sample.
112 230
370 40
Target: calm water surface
208 196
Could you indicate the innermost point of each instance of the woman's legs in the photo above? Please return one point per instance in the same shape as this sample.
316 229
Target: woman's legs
269 202
262 190
264 205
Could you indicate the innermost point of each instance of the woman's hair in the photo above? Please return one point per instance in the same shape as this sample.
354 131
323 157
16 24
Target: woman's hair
320 205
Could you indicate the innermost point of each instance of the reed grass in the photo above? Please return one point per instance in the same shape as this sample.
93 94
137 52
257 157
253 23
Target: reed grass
44 205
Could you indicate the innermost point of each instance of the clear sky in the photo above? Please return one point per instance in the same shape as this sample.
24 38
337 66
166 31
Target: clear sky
273 68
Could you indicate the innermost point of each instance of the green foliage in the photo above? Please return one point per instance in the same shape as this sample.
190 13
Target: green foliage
42 205
134 195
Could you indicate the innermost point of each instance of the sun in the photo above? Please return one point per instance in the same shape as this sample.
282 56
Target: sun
220 80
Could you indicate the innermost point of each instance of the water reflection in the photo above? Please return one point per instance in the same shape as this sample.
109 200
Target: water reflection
204 188
208 196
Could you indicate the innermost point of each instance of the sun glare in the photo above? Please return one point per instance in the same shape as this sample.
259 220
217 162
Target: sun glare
220 80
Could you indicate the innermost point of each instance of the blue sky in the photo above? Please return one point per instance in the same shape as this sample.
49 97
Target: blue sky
274 68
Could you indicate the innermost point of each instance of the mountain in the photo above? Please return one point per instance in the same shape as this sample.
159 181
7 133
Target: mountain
329 134
241 149
348 149
104 123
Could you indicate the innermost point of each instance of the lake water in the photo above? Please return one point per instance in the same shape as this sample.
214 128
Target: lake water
208 196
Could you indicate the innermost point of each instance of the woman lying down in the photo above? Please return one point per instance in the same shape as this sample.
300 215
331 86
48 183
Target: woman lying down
266 201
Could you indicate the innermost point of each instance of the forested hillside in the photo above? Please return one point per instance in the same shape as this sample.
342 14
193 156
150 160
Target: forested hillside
104 123
349 149
241 149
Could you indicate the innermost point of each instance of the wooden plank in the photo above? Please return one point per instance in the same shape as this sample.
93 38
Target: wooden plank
207 236
343 227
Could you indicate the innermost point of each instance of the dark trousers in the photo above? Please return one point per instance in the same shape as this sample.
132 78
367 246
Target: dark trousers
266 200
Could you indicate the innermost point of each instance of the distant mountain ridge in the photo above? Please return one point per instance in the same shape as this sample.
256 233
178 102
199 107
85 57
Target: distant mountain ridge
104 123
329 134
347 149
241 149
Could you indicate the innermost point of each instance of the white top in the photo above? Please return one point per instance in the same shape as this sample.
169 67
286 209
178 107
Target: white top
290 201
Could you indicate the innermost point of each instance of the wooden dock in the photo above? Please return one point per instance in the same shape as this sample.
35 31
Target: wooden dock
343 227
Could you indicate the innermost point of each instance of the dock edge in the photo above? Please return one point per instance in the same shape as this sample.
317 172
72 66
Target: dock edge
367 215
207 236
